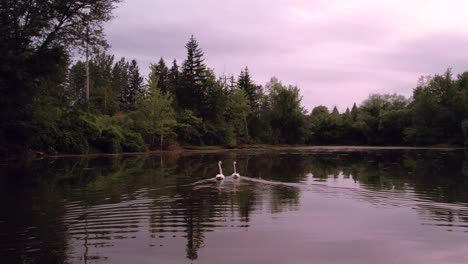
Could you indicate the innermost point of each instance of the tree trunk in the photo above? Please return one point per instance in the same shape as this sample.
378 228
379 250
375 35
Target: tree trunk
162 138
87 66
246 129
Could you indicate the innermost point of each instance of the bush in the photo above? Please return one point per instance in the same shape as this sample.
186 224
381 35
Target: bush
72 131
69 141
60 131
133 142
111 140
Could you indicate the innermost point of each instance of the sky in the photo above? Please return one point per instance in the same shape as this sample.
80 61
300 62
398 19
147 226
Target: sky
336 52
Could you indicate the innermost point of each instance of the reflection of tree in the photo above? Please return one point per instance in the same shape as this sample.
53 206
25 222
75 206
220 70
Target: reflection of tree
193 219
31 208
153 193
245 199
434 175
284 197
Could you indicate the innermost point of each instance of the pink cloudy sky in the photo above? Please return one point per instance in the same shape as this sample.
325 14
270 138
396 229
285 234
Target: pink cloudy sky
337 52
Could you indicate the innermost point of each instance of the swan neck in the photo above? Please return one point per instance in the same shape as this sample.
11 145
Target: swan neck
235 171
220 169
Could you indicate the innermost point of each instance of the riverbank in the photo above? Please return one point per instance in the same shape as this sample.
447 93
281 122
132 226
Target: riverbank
258 148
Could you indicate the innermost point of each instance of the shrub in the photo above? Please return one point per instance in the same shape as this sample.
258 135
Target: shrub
111 140
133 142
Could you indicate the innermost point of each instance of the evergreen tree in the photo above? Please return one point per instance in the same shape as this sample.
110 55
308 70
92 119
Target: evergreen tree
335 111
161 71
193 89
232 83
134 87
119 82
253 91
354 112
174 78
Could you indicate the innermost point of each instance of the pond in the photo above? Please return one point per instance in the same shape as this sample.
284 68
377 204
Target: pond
356 206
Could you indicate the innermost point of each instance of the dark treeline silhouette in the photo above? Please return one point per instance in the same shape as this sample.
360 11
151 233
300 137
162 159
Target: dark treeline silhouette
51 103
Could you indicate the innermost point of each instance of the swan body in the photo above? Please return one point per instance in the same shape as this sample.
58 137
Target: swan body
220 176
235 174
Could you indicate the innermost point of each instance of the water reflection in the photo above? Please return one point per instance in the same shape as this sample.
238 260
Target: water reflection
94 210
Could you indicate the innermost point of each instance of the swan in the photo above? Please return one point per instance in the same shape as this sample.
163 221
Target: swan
235 174
220 176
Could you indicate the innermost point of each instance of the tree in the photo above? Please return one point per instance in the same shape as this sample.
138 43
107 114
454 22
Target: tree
335 111
287 121
161 71
174 78
354 112
238 109
252 90
155 114
370 115
76 82
134 87
35 37
192 91
101 94
120 79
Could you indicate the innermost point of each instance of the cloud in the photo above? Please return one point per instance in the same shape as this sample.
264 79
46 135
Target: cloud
337 52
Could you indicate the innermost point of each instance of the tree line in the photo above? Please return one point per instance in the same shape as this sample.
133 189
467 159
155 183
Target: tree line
45 104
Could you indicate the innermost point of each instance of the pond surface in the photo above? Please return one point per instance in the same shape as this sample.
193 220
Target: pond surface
378 206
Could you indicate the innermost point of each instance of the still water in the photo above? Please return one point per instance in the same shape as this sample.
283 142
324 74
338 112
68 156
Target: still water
378 206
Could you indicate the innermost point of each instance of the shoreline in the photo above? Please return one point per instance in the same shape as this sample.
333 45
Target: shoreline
259 148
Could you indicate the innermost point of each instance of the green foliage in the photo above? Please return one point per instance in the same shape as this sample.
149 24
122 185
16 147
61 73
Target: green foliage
111 140
287 115
42 103
36 38
55 130
133 142
134 89
155 116
438 109
238 109
191 92
189 128
161 72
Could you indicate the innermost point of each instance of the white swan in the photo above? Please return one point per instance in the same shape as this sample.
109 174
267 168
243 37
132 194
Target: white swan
235 174
220 176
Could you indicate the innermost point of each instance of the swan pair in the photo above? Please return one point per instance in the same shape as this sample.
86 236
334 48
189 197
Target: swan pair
220 176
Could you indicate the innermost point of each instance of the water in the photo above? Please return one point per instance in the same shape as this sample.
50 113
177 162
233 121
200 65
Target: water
379 206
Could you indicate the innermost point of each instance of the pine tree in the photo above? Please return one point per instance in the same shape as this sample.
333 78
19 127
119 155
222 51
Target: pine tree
161 72
193 90
335 111
232 83
120 80
252 90
354 112
174 77
134 87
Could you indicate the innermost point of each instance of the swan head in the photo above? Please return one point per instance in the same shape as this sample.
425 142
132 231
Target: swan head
220 162
235 162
